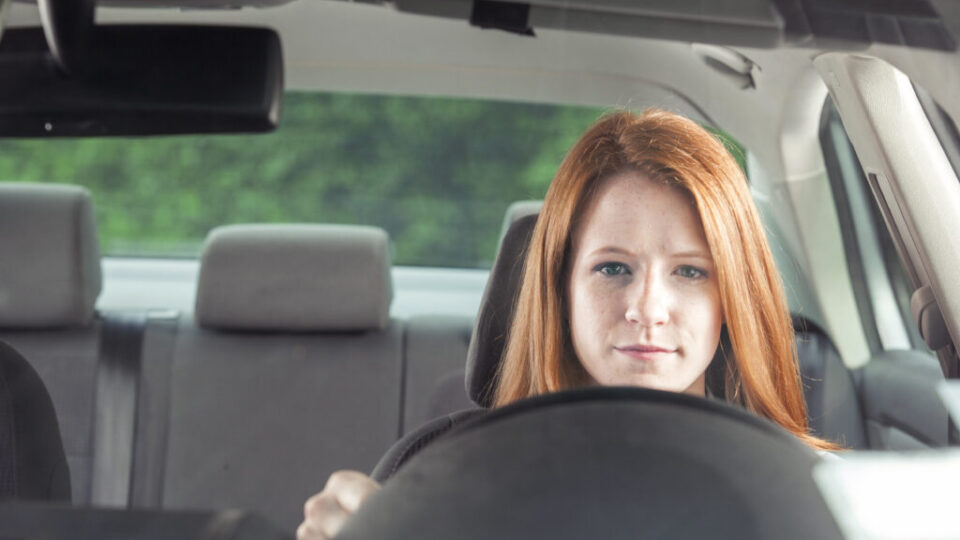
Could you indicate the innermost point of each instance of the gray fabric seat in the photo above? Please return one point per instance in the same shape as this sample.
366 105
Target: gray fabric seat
33 465
47 296
833 409
289 370
435 349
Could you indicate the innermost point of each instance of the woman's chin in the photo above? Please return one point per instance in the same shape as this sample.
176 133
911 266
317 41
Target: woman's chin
658 383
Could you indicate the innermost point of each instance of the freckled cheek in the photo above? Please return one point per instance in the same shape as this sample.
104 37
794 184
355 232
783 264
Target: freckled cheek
593 313
601 305
699 312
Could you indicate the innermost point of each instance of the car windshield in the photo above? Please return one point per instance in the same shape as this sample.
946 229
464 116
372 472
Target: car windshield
436 173
288 304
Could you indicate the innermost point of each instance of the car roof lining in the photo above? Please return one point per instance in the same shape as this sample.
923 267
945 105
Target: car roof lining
757 23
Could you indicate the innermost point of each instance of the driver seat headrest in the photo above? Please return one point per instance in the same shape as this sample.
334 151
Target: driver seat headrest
496 310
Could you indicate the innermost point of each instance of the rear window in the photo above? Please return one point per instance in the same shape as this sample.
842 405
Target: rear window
436 173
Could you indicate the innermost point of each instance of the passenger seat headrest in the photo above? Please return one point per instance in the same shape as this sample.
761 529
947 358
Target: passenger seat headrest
496 310
297 278
50 263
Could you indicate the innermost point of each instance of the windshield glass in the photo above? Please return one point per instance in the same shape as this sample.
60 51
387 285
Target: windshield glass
436 173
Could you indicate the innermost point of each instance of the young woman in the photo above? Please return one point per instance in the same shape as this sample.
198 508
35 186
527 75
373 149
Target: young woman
648 266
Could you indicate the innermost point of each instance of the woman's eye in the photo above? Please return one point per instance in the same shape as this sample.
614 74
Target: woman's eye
611 269
691 272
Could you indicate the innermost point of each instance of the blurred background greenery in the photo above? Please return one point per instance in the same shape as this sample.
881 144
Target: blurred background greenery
436 173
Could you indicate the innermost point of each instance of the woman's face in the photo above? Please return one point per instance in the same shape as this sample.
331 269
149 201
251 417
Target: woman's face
642 290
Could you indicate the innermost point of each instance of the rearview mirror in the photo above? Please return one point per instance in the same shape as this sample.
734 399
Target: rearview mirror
143 80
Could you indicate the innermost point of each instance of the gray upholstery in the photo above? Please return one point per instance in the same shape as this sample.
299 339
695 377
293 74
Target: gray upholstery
295 278
47 296
518 210
435 350
66 361
301 377
50 274
259 421
833 408
901 405
496 310
153 410
32 461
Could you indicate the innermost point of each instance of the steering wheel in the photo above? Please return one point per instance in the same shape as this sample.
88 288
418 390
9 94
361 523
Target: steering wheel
604 463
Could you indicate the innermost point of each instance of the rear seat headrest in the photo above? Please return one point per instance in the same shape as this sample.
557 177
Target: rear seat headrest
50 268
496 310
295 277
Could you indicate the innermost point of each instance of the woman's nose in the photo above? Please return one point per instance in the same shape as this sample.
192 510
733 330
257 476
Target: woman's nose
649 303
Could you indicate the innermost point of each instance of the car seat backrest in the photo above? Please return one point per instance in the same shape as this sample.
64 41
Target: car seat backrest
33 465
435 349
49 282
833 408
902 406
291 371
496 310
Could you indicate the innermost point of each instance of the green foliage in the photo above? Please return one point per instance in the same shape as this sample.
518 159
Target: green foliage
735 148
436 173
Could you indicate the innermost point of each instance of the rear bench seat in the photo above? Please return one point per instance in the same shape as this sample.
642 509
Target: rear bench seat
47 297
435 350
290 370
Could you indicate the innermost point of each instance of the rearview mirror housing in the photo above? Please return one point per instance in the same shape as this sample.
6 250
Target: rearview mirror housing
143 80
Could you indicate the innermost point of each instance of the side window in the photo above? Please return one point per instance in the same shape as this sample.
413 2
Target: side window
881 286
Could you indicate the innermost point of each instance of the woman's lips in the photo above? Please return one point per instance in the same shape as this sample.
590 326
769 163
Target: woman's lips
646 352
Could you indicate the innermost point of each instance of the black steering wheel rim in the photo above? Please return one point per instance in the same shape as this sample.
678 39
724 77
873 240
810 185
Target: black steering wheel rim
597 394
604 463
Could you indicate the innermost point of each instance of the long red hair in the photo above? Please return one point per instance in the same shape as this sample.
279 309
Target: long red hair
761 370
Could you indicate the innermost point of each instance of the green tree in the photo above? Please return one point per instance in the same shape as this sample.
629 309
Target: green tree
436 173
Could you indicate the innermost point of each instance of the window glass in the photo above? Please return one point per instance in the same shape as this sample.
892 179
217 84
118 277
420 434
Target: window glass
880 282
436 173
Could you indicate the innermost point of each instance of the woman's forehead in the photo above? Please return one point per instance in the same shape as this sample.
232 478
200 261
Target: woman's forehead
629 209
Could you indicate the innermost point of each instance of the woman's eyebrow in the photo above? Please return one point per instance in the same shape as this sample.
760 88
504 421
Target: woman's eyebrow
611 249
693 253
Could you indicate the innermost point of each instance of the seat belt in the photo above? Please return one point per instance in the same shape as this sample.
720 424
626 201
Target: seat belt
153 410
115 412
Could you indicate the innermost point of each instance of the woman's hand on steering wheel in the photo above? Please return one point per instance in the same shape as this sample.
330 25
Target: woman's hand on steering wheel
325 513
